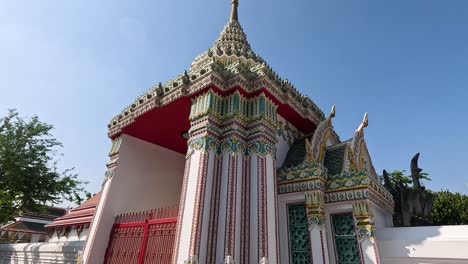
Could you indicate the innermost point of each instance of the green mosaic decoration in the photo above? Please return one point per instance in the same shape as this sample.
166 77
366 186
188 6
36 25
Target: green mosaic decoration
346 245
299 234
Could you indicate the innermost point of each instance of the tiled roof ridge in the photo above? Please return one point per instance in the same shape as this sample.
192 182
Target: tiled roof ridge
78 215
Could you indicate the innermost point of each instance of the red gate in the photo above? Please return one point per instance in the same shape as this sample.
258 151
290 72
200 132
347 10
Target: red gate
145 237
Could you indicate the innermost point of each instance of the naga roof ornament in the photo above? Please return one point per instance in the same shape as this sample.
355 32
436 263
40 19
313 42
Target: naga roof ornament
365 123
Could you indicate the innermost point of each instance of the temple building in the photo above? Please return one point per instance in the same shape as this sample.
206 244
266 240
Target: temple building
74 226
230 163
29 227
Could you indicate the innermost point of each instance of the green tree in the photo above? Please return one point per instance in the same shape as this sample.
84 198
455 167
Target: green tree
29 177
398 178
449 209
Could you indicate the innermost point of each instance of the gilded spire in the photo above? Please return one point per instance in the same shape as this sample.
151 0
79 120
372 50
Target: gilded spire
234 17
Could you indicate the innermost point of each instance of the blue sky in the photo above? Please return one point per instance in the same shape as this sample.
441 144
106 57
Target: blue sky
76 64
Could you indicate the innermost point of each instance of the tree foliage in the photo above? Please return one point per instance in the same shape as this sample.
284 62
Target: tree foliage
449 209
398 178
29 177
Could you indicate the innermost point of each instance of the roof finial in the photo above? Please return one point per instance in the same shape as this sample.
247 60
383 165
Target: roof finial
365 123
235 3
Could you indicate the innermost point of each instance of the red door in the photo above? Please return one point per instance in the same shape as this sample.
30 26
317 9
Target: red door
146 237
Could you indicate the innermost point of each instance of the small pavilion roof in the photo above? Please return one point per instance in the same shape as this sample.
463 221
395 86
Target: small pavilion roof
26 227
81 215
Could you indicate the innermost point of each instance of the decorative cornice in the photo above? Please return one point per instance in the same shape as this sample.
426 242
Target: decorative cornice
158 97
302 172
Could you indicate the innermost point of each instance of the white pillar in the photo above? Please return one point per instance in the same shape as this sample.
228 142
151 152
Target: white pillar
103 219
315 207
364 220
238 190
193 208
263 209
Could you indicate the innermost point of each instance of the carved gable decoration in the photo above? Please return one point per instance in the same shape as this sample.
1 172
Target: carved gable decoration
359 154
315 149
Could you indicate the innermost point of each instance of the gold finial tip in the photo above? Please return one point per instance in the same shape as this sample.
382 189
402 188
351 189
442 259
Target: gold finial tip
333 111
234 17
365 121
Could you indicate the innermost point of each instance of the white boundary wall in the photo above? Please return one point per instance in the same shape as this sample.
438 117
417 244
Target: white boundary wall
424 245
40 253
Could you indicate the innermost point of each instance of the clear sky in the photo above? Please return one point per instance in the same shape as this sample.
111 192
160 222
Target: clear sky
76 64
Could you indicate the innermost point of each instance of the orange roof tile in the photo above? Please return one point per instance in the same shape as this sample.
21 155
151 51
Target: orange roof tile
83 214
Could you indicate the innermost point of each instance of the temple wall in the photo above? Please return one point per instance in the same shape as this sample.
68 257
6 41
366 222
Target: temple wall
382 218
431 244
147 176
40 253
35 238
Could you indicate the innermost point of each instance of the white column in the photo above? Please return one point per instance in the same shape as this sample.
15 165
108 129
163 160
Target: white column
214 212
315 207
103 219
263 210
229 233
96 243
193 213
364 220
253 215
221 234
209 203
272 209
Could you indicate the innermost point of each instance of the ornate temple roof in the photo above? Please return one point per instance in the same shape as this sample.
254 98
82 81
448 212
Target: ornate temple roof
228 64
334 155
343 170
30 222
26 227
296 153
81 215
334 158
232 44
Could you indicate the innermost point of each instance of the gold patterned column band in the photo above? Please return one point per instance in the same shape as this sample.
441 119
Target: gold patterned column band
364 218
315 207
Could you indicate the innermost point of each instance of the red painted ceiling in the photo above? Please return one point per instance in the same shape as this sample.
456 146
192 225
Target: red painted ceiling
164 125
